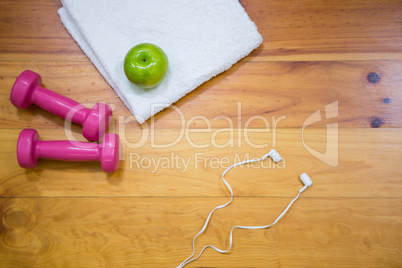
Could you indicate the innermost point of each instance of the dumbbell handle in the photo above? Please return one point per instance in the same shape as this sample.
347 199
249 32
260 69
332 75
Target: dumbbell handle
68 151
59 105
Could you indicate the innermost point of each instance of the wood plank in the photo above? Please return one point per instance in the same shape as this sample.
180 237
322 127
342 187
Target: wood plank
334 30
292 31
171 163
251 94
157 232
34 29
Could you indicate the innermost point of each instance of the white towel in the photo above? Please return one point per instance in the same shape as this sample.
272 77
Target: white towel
201 38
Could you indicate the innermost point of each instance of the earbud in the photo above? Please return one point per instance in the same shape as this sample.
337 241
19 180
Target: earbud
276 157
306 181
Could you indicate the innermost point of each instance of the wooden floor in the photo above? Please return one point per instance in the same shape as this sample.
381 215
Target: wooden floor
316 56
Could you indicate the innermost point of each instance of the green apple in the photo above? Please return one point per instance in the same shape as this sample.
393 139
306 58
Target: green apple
146 65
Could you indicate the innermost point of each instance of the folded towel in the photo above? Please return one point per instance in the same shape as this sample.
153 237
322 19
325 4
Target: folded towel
201 39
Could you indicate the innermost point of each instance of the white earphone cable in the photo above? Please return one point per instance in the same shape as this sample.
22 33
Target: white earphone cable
275 156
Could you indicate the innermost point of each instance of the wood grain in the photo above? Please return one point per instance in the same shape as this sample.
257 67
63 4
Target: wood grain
157 232
315 54
291 91
336 30
292 31
183 168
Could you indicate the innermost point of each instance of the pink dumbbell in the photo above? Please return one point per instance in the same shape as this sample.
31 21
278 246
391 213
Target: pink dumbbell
30 149
27 90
